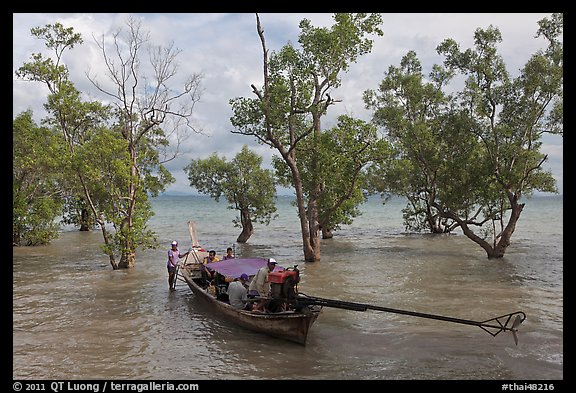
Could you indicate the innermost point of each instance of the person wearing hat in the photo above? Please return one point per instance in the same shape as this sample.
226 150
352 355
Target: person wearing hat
260 285
237 293
173 257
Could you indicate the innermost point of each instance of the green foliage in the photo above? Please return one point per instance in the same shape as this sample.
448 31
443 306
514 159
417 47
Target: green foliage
511 139
469 158
127 236
341 152
78 124
286 115
246 186
109 162
331 50
36 198
413 115
298 80
77 212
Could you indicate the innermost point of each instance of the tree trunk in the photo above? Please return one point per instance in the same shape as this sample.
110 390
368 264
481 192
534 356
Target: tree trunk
100 221
476 239
434 220
128 257
107 242
314 232
437 226
247 227
16 238
127 260
313 215
327 233
307 244
503 241
84 226
309 252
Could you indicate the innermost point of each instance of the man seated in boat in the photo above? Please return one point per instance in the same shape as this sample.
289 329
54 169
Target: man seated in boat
211 257
229 254
215 279
237 293
260 286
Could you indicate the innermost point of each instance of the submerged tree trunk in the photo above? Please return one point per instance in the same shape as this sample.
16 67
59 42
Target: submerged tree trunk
314 231
501 242
106 243
504 239
247 227
245 234
101 222
84 225
127 260
128 257
437 226
327 233
311 249
307 245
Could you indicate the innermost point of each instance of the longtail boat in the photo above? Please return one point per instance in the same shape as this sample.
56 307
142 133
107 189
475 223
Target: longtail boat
292 324
297 311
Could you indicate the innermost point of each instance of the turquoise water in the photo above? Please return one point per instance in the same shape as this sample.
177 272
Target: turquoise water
83 320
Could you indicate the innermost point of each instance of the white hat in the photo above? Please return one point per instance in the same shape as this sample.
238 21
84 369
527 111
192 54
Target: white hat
272 260
174 243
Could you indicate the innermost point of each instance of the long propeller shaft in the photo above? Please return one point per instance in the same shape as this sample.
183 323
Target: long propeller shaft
493 326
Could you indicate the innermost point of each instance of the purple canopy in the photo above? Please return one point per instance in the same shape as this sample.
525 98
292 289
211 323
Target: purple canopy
235 267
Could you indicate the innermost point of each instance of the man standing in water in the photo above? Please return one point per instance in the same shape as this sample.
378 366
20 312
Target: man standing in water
173 257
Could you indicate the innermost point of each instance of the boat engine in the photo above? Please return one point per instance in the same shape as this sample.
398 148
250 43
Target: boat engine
283 283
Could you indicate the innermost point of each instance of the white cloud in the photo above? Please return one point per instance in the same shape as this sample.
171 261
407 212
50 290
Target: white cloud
225 48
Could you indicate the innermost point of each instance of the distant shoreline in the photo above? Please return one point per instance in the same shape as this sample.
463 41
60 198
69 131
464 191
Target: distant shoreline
184 194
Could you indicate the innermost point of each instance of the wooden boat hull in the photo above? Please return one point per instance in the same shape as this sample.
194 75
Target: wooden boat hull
288 325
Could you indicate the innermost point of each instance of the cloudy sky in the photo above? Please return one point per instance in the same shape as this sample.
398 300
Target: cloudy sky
226 50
